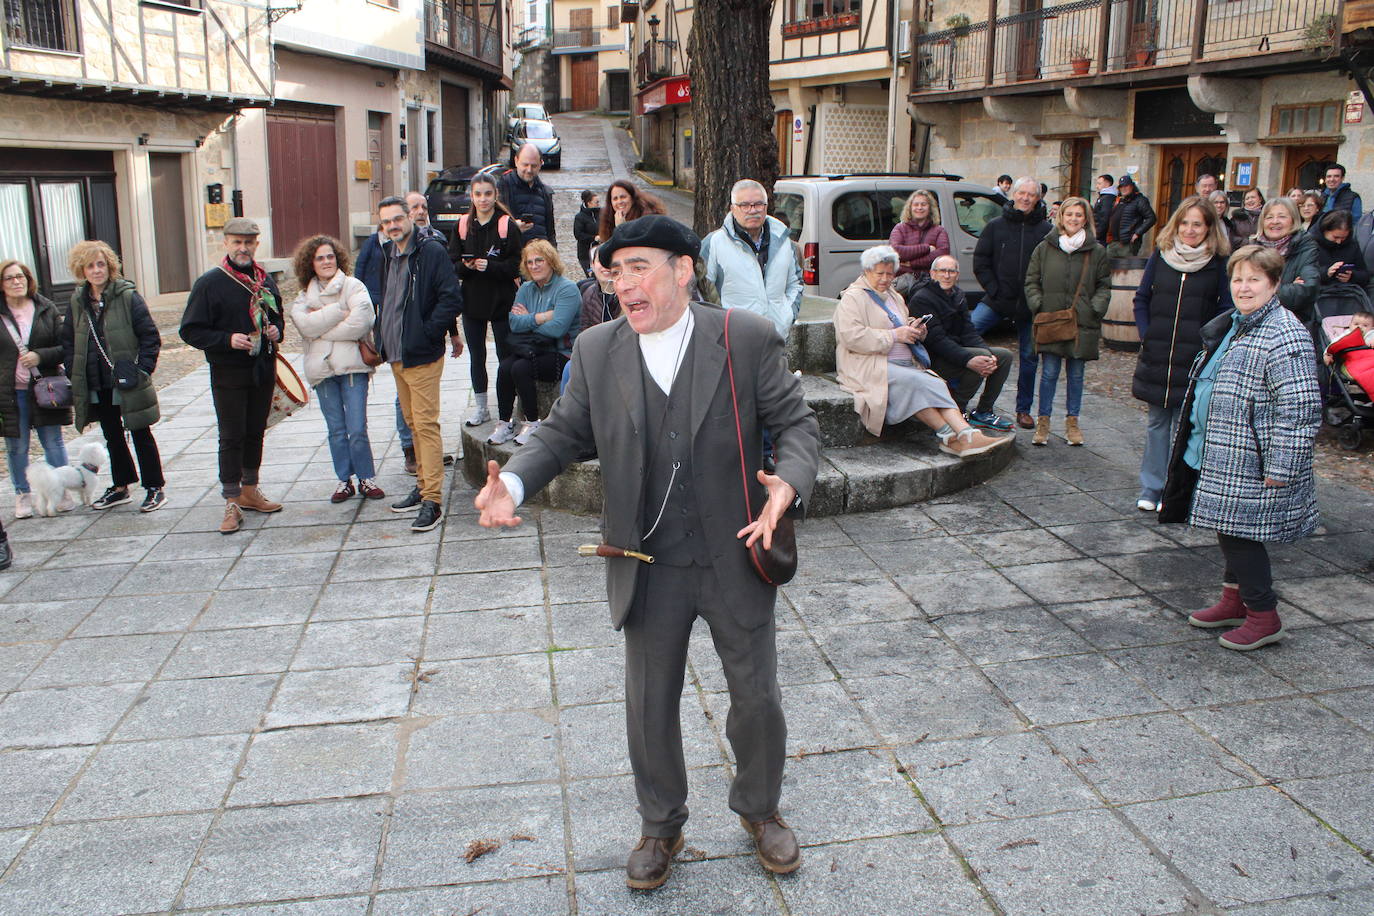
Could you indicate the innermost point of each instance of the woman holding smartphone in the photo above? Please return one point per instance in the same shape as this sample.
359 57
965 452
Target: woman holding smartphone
485 248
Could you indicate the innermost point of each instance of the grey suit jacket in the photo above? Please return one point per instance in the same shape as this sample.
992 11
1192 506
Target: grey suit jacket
604 405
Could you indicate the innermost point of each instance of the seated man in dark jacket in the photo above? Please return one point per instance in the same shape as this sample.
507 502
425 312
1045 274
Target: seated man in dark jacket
958 354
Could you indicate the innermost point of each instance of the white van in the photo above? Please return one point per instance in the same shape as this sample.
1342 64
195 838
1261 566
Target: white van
835 217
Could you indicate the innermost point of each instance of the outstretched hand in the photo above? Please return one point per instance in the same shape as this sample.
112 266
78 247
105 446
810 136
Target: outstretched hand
780 497
495 502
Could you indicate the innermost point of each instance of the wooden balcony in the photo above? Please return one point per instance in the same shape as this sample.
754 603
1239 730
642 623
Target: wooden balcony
206 54
461 39
654 61
1118 42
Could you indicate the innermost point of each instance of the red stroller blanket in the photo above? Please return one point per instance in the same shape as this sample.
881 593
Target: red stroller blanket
1357 359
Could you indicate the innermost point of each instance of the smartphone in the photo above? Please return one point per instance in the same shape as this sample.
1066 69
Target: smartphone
526 217
925 318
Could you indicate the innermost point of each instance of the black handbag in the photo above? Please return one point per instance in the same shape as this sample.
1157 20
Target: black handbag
777 564
529 344
126 373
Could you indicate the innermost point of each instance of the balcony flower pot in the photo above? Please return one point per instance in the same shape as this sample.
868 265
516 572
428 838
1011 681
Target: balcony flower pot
826 22
845 20
1081 65
1143 56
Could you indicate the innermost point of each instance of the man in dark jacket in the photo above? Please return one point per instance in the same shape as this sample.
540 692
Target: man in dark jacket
234 314
958 353
1129 220
1106 199
420 300
1338 194
585 224
528 198
1000 262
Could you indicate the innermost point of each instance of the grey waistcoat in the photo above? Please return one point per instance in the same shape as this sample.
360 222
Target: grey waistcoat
679 539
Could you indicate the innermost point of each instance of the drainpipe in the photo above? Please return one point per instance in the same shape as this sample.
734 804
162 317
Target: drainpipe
894 10
810 135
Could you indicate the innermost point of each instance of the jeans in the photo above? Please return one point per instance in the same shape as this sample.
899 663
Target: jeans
1050 364
418 389
984 318
121 462
241 407
517 375
1247 564
407 440
343 401
475 333
1159 441
49 435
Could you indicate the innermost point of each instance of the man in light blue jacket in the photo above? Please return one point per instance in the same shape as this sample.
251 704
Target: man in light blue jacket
751 261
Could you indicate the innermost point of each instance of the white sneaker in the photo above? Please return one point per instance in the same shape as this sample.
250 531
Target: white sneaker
23 505
481 416
504 432
524 437
67 504
1146 505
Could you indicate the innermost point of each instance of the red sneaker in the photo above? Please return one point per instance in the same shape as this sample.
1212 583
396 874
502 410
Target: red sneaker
1260 629
1229 611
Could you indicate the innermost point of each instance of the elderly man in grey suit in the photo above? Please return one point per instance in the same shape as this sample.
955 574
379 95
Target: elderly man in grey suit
652 392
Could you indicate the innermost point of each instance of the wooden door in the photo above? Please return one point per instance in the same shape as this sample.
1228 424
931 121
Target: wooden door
581 21
457 148
376 143
1305 166
303 175
1028 42
1141 38
584 83
782 131
1081 169
1179 168
169 222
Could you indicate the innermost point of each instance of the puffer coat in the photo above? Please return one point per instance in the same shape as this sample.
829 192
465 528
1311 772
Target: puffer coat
1171 308
1002 255
45 339
331 320
1262 418
1052 283
1300 263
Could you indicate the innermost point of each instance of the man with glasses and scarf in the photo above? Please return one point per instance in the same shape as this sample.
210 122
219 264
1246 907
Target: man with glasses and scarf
653 392
750 259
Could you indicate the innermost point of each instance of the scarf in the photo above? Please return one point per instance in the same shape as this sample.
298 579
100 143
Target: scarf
260 302
1071 243
1186 258
1281 246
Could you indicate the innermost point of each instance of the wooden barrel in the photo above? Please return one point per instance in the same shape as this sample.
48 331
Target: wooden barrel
1118 328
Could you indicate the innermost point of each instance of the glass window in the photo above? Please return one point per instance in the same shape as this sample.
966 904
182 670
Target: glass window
855 216
15 239
1330 118
973 210
890 204
64 224
541 130
791 209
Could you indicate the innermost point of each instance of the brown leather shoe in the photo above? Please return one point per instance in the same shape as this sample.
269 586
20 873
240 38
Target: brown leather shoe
777 844
233 518
651 860
252 498
1024 420
409 452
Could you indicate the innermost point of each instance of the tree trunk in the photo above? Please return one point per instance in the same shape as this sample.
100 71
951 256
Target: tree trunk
731 106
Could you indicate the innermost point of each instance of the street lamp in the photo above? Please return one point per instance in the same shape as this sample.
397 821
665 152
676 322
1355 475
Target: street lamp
653 41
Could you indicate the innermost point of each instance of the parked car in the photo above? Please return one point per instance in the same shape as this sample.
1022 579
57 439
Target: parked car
544 138
835 217
521 112
447 193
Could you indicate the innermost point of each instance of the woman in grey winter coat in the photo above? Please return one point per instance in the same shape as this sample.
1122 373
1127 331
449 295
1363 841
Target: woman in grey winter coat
1242 463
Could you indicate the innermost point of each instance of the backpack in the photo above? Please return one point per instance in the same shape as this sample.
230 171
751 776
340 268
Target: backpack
502 226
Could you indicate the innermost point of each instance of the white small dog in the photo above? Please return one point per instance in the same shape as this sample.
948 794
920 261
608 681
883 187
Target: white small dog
50 484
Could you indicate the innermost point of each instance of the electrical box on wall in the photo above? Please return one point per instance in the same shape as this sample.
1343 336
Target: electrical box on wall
214 193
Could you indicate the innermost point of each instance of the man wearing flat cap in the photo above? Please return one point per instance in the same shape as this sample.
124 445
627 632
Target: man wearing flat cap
234 315
652 392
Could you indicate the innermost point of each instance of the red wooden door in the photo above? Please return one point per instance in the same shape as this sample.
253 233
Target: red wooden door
303 174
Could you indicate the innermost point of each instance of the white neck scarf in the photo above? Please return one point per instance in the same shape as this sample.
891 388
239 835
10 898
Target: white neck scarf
1186 258
1071 243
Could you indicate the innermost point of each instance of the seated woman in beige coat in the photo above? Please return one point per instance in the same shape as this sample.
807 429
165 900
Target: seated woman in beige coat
880 360
333 312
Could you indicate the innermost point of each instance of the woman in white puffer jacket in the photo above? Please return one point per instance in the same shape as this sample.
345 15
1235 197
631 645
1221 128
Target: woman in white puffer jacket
333 312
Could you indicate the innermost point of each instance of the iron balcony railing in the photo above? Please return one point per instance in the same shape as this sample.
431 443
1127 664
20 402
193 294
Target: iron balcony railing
1088 37
576 38
445 25
47 24
655 61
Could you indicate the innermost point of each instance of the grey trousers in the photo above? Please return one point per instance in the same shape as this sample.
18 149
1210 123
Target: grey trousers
667 602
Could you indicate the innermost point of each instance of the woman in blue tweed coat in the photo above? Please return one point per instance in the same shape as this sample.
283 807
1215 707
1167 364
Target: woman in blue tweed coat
1242 462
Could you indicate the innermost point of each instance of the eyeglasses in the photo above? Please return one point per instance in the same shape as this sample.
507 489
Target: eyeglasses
751 206
326 257
16 278
944 270
634 273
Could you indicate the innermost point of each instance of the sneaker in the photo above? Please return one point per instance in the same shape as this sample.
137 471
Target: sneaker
480 416
410 503
987 419
1146 505
524 437
430 515
969 442
153 500
344 491
370 490
505 431
23 505
67 504
114 496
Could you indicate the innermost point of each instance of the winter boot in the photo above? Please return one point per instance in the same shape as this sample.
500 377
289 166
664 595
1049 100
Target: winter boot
1229 611
1042 431
1260 629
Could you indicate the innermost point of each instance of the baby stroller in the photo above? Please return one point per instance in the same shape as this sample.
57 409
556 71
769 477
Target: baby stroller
1348 385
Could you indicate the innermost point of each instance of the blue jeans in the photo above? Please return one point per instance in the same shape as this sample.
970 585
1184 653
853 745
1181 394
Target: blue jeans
984 318
49 435
343 401
1159 441
1049 381
402 430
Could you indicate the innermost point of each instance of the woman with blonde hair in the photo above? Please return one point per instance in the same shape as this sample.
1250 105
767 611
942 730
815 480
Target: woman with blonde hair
918 239
334 312
543 323
1068 271
1280 230
1309 209
1184 286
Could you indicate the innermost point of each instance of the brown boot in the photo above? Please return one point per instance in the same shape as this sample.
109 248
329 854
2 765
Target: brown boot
1072 433
1042 431
233 518
777 844
252 498
411 466
1024 420
651 860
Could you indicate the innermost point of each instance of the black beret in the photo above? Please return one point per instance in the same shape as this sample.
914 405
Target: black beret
652 231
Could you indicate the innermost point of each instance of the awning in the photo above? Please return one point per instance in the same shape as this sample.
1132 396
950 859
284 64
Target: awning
673 90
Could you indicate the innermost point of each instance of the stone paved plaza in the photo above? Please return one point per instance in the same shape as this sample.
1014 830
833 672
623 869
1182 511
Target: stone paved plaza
994 702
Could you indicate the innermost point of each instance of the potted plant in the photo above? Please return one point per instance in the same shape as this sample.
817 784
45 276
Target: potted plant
1078 57
1320 33
1145 54
958 23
